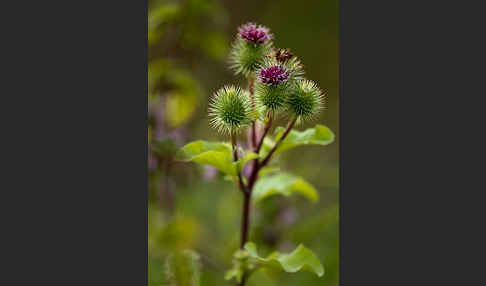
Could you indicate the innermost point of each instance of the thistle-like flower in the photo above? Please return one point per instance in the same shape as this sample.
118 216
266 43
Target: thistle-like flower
305 100
253 42
254 33
287 61
273 75
272 85
230 110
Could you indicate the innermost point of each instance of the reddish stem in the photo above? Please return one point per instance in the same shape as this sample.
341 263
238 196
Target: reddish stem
245 219
268 124
247 192
286 132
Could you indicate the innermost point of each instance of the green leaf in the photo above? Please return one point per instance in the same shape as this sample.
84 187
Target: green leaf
319 135
300 259
183 269
216 154
283 184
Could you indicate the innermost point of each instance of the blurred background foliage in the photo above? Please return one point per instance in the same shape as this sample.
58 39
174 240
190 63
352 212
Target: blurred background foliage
194 208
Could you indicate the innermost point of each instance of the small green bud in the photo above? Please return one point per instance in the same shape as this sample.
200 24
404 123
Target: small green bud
230 110
305 100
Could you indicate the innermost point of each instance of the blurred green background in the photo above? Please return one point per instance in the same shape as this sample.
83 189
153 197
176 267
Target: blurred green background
193 207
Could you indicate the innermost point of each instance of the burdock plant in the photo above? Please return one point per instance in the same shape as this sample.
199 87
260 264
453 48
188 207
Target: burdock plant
276 87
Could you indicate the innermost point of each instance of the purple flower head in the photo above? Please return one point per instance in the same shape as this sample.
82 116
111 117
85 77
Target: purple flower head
252 33
273 75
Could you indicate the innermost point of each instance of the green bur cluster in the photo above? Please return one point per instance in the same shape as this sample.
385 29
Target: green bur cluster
305 100
230 110
276 87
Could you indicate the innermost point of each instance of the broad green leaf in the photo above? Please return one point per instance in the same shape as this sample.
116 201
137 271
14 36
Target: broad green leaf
183 269
283 184
319 135
215 154
300 259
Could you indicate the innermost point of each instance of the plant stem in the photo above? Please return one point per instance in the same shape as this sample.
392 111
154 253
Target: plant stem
251 83
268 124
286 132
245 216
245 225
245 219
245 222
235 158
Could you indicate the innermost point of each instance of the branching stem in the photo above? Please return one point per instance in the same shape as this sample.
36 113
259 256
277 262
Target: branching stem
268 124
245 216
286 132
